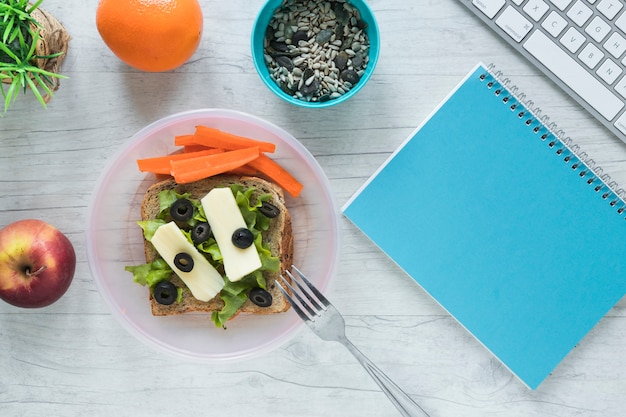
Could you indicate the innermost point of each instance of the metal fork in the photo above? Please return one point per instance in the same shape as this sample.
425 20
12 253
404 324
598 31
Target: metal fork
326 322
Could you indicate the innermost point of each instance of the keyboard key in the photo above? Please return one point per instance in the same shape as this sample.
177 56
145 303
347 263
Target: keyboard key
572 74
536 9
609 71
489 7
598 29
579 13
615 45
621 22
561 4
573 40
620 87
514 24
609 8
620 123
554 24
591 55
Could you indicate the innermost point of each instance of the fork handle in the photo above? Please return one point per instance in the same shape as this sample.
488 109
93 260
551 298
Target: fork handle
404 403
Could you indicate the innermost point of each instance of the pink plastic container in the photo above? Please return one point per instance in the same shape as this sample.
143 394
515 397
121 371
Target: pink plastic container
114 240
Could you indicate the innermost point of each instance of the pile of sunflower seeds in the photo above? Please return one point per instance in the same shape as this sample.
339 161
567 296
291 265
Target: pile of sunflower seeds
316 50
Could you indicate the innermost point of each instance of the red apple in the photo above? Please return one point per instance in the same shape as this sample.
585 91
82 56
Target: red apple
37 263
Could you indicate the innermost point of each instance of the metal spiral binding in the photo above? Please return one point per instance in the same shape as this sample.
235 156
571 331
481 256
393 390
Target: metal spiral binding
555 138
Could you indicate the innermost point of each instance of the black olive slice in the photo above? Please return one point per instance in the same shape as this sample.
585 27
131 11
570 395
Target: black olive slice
269 210
260 297
242 238
184 262
181 210
165 293
200 233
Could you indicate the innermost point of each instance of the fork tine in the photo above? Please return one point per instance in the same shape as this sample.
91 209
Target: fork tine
317 293
297 295
291 301
315 303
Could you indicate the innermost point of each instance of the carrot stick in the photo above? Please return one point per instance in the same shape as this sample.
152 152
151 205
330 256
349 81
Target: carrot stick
161 164
195 148
244 170
183 140
277 173
194 169
215 138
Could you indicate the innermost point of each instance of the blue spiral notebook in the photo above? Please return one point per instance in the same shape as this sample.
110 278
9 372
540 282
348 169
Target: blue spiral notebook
503 222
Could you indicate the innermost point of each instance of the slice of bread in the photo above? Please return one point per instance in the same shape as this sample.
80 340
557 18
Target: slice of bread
279 237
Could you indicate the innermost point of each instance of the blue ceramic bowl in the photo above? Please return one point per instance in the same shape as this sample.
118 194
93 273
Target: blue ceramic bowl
258 53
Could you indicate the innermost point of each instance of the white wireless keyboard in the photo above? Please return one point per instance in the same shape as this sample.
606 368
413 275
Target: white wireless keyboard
579 44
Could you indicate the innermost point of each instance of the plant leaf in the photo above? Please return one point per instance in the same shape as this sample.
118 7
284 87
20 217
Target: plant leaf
11 93
33 7
7 51
35 91
33 45
7 31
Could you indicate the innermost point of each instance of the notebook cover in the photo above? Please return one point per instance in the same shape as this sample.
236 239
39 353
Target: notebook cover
497 220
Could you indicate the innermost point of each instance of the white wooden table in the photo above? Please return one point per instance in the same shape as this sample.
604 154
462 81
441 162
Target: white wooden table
74 358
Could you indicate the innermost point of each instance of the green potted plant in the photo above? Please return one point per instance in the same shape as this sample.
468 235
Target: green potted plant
33 44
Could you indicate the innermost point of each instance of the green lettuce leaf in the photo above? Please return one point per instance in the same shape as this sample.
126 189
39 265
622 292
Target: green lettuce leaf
150 274
255 220
269 262
232 304
250 281
149 227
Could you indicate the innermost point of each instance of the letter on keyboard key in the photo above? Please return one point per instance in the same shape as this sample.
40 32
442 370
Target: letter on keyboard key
609 71
609 8
514 24
598 29
536 9
572 40
579 13
572 74
554 24
615 45
489 7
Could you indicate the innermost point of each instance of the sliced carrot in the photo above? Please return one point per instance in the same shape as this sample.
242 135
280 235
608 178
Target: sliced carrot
244 170
267 166
161 164
194 169
216 138
182 140
195 148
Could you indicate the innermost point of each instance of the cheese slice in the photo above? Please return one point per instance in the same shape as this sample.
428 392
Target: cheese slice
224 217
204 281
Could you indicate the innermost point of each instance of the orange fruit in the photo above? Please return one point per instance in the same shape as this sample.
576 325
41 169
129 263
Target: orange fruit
151 35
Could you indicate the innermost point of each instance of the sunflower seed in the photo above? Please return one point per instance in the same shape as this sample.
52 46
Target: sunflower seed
341 60
350 76
298 61
324 36
285 62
